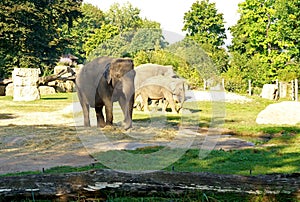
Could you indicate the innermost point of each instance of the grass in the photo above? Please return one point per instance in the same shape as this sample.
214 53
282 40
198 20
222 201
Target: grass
47 103
277 146
281 154
264 160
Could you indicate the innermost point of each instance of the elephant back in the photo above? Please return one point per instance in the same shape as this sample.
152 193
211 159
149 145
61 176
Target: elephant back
146 71
163 81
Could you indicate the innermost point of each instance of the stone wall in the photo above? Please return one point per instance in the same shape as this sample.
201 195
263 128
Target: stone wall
25 81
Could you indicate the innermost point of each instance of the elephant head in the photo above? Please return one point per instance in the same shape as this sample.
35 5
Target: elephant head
120 75
178 88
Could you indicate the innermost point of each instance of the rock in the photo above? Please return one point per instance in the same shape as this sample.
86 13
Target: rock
26 93
287 112
46 90
2 90
25 82
52 83
269 91
60 87
9 90
69 86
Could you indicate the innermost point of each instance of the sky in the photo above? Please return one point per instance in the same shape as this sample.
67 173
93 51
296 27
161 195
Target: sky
169 13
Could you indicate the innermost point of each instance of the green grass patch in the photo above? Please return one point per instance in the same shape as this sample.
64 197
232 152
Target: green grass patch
47 103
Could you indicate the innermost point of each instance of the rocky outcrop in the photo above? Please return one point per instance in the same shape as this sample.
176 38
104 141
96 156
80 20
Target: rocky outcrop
46 90
287 112
25 82
269 91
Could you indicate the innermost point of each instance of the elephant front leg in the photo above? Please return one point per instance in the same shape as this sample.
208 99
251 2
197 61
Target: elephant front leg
127 108
170 101
100 117
109 113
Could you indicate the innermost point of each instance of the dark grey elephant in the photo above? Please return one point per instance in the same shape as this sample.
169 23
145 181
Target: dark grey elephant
161 87
103 81
145 71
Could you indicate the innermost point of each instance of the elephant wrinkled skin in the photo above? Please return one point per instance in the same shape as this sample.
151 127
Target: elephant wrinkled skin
103 81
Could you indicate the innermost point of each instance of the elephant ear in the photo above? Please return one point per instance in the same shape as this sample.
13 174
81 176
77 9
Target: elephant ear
106 74
173 85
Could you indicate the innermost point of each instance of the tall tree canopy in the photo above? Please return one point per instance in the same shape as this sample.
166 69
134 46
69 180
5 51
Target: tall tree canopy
268 34
205 26
31 30
124 33
85 27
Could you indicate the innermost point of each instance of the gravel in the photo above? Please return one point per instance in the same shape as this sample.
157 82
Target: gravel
193 95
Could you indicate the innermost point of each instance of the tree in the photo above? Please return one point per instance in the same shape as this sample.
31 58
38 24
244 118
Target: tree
31 30
84 32
124 33
147 39
124 17
266 33
205 26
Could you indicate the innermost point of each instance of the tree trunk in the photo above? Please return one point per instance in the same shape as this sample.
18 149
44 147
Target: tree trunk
160 183
53 77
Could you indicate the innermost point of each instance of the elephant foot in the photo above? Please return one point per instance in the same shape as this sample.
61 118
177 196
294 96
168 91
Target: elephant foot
101 125
127 125
87 125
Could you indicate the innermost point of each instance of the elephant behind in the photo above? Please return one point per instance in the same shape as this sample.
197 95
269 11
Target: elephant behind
160 87
102 82
145 71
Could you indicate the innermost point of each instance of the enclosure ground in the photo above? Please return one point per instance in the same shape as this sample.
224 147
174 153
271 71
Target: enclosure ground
33 141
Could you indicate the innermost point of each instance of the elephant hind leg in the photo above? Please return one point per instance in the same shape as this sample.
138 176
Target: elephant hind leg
86 114
100 117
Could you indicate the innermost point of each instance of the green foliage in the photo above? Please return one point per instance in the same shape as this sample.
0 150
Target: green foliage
124 17
204 24
107 31
267 34
85 30
30 31
165 57
234 81
147 39
129 43
206 27
117 46
124 33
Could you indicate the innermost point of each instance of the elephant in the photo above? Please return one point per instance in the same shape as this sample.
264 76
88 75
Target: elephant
160 87
103 81
146 71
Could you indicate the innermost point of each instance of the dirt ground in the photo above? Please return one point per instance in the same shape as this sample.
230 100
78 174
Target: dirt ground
42 140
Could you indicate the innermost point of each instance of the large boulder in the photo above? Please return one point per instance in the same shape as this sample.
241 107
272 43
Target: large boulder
25 82
9 90
287 112
269 91
46 90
